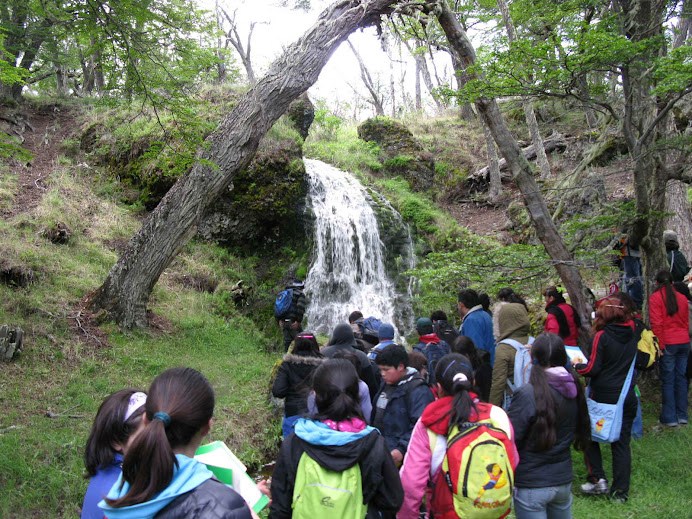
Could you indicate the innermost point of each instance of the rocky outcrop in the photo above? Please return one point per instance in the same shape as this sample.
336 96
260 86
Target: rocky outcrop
266 201
402 153
301 113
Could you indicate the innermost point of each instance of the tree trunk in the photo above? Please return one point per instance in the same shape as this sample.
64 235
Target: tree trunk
418 103
495 188
680 220
521 171
126 290
377 100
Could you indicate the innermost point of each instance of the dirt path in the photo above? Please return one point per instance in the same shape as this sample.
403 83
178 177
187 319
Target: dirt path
51 125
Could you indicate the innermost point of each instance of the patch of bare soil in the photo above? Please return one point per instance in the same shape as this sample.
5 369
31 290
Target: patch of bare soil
47 128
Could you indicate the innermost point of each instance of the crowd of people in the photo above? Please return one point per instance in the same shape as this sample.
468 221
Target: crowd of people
471 422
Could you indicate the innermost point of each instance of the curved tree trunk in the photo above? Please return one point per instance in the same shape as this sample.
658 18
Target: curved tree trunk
522 174
125 293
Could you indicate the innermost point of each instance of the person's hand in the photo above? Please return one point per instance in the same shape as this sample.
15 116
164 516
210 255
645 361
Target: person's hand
265 486
398 457
577 360
281 324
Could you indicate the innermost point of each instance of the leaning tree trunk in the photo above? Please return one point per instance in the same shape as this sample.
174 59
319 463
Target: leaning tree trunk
125 293
495 179
521 171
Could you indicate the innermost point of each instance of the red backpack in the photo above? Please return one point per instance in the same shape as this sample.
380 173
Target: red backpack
476 478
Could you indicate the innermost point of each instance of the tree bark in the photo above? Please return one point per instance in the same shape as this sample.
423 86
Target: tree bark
678 205
126 290
522 173
495 188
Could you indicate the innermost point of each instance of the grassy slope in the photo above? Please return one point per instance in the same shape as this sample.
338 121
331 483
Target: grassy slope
41 458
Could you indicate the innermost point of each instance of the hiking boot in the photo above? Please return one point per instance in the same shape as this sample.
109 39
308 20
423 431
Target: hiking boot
683 421
600 487
618 497
669 424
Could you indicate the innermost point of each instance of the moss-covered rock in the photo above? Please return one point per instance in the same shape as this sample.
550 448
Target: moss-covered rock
301 113
403 154
266 201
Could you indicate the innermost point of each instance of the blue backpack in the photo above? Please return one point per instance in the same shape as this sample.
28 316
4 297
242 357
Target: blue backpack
370 326
283 304
433 352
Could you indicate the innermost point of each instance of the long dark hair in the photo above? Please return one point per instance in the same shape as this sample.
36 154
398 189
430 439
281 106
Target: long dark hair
455 374
508 295
336 391
110 427
188 400
559 314
306 345
547 351
665 280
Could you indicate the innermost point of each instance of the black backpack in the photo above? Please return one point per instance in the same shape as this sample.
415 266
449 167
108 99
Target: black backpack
678 266
433 352
445 331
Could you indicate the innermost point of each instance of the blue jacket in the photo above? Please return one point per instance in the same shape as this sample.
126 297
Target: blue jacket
404 403
478 326
187 478
99 485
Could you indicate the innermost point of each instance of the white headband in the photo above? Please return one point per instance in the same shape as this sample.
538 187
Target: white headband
137 400
460 377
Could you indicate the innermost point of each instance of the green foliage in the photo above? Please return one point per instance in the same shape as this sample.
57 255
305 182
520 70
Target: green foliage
398 161
326 125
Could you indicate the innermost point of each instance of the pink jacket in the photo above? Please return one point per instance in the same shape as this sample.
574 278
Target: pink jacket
427 448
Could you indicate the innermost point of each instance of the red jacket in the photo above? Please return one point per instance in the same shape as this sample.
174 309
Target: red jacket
670 329
552 326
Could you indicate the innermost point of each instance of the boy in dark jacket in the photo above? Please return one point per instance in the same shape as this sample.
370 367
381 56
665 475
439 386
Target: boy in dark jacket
402 397
292 325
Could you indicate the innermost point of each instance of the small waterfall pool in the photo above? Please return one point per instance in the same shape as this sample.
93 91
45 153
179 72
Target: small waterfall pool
349 265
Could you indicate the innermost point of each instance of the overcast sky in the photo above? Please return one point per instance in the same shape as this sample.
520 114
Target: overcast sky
280 27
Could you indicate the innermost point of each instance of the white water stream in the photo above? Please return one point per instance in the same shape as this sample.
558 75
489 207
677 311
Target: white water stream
348 268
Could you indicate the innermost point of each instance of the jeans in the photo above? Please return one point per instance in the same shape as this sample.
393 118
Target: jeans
289 334
673 383
543 503
633 282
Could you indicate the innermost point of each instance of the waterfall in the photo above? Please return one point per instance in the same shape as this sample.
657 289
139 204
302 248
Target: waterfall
351 268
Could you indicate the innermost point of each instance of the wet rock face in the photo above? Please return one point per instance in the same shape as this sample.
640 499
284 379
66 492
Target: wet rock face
301 113
402 153
265 202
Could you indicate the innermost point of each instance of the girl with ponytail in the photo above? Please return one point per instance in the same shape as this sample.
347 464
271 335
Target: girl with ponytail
160 476
549 414
457 405
337 439
669 319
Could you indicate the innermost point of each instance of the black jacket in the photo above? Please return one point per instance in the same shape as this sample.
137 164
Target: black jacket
367 371
538 469
293 382
211 500
612 351
382 489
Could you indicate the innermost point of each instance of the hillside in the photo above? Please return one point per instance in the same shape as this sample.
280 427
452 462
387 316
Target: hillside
68 215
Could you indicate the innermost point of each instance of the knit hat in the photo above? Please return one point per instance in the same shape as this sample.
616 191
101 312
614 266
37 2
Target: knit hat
342 336
386 332
424 326
670 239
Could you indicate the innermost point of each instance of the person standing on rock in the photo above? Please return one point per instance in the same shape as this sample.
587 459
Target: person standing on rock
289 309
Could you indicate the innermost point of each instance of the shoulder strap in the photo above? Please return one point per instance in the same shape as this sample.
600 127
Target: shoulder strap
514 343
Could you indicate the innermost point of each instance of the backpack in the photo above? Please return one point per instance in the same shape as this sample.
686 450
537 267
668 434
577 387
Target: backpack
283 304
433 352
476 478
445 331
370 326
678 266
522 366
648 349
319 492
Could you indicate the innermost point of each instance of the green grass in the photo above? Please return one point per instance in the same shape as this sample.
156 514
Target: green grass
661 484
41 463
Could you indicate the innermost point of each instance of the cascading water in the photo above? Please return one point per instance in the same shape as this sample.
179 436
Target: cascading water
349 267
